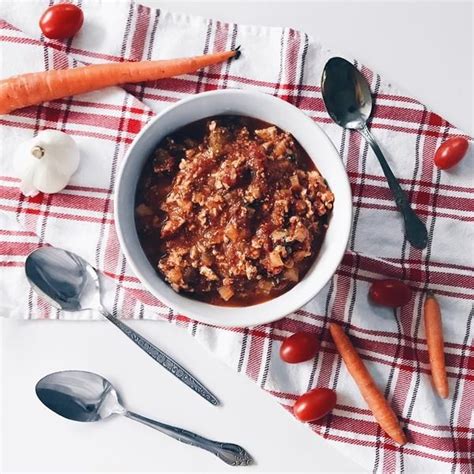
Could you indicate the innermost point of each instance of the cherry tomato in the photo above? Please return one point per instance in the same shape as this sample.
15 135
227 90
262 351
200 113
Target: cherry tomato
451 152
61 21
315 404
392 293
299 347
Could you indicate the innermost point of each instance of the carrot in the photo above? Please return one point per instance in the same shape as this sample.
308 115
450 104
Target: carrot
31 89
380 408
435 342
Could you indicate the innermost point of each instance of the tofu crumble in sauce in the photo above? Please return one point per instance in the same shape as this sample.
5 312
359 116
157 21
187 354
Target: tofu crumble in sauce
231 210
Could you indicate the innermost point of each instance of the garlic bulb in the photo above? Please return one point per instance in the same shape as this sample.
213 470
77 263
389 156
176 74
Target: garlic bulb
46 162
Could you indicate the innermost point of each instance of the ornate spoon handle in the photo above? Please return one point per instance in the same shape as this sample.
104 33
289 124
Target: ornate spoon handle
229 453
163 359
415 229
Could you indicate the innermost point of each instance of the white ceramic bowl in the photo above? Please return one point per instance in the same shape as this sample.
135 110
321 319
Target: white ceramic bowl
288 118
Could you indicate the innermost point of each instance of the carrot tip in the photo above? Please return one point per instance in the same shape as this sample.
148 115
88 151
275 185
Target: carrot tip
400 438
237 52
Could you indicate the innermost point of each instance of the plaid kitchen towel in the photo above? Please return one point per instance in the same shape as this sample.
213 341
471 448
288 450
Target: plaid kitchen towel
288 64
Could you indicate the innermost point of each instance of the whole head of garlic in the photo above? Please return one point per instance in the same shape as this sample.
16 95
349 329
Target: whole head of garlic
46 162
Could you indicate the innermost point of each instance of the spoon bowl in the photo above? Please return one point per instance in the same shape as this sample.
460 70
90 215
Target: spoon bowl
64 279
346 94
78 395
84 396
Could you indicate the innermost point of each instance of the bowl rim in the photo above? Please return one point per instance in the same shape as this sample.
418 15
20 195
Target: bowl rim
290 306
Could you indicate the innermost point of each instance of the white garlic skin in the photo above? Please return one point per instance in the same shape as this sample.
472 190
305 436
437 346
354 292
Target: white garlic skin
56 160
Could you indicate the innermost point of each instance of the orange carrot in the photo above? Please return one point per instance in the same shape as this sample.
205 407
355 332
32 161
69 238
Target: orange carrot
33 88
435 342
380 408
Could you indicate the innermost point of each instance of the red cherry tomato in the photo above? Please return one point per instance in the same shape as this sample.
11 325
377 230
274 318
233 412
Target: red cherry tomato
299 347
61 21
392 293
315 404
451 152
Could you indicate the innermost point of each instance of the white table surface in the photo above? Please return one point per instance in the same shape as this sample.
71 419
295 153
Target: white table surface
427 48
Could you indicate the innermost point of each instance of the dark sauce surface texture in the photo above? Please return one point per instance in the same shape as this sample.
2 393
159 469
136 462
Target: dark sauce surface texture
231 210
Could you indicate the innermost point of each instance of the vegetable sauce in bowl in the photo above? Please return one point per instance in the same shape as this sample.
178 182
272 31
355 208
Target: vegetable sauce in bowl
231 210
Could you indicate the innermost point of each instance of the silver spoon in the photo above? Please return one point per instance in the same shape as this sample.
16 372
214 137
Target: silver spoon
85 396
348 101
68 282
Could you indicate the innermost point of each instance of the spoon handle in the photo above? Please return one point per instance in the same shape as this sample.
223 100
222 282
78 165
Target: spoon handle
415 229
163 359
229 453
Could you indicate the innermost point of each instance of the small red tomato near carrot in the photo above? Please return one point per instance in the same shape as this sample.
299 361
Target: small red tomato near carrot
315 404
451 152
390 292
299 347
435 343
61 21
